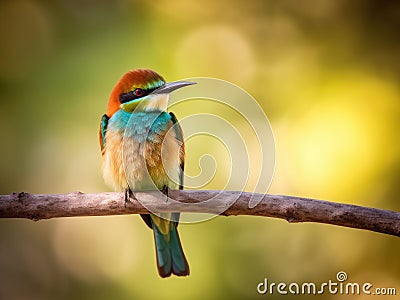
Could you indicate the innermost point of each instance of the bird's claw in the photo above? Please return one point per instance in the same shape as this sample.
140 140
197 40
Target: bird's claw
165 190
128 195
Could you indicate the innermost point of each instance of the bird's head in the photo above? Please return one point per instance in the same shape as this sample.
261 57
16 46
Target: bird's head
142 90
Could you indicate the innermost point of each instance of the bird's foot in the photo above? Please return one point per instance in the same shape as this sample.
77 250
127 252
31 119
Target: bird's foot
165 190
128 195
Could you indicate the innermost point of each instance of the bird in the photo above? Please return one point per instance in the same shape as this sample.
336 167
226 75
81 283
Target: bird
142 148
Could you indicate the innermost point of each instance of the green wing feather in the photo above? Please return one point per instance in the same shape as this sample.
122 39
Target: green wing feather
103 130
170 256
179 136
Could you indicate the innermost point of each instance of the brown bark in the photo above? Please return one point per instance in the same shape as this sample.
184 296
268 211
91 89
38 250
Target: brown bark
292 209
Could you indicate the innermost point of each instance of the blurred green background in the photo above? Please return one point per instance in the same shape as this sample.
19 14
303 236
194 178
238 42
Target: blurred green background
325 72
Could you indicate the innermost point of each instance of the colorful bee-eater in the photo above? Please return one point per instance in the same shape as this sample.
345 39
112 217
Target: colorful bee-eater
142 148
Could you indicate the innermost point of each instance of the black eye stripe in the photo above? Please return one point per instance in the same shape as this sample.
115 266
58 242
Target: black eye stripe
129 96
125 97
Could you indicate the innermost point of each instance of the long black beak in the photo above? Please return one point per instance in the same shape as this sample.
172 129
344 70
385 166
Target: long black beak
172 86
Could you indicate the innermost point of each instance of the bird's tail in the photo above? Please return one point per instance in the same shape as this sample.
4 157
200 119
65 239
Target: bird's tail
170 256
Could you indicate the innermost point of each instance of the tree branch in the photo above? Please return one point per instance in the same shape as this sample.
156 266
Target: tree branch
292 209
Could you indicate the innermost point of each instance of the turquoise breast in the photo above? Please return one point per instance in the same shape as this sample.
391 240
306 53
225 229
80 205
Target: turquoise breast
141 126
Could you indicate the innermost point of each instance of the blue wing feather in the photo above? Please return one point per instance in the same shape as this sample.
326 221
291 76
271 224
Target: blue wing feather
103 130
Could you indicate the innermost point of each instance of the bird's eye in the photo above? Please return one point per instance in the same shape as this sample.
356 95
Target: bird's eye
139 92
136 93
